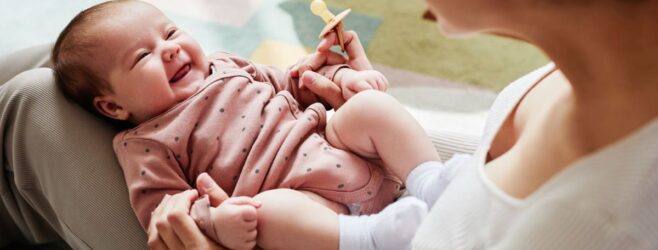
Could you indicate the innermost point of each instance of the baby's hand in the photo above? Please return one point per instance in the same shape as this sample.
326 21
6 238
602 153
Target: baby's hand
235 222
352 82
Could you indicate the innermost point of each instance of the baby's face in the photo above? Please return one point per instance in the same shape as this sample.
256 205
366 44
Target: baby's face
154 64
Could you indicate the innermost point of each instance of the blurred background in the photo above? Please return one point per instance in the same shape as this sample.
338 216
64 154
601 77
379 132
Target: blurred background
446 84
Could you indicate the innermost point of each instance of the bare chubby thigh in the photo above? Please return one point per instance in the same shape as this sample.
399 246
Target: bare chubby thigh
357 120
298 199
335 206
308 217
342 134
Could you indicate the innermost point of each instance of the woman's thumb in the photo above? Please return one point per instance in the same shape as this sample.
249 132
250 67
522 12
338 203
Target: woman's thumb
206 185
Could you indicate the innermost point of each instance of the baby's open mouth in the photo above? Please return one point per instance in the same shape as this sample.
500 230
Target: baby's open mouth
181 73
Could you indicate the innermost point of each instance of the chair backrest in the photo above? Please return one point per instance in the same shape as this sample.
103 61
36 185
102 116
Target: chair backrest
61 178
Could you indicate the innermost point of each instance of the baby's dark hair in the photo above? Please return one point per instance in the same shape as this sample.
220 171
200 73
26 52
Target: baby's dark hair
78 71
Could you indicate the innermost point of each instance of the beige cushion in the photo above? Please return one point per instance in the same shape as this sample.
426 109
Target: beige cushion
60 175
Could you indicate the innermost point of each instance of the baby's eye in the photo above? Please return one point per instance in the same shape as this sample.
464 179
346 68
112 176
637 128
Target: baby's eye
171 33
141 56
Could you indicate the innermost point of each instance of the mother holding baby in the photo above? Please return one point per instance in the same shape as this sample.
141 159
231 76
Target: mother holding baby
569 156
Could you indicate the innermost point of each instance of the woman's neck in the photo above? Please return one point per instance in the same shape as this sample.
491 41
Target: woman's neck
610 60
605 54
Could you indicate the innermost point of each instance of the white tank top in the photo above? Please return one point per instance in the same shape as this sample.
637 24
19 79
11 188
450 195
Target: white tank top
606 200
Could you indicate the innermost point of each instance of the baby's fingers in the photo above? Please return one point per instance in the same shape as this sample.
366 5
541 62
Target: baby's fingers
382 83
354 88
250 244
243 200
315 61
251 235
361 86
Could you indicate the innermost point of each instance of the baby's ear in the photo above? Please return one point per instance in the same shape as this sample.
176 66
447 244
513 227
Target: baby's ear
108 107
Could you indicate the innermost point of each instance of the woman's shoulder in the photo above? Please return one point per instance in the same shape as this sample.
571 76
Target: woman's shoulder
526 81
511 95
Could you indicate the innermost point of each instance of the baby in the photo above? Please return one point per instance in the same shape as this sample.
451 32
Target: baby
250 127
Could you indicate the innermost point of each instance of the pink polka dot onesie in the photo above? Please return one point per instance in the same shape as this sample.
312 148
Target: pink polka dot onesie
251 129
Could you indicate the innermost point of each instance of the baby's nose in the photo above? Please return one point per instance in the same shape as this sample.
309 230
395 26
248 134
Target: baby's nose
169 53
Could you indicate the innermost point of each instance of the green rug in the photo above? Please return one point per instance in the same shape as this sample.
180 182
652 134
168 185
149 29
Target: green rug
405 41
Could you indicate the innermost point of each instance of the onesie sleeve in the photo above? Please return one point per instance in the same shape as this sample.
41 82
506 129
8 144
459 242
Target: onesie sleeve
151 171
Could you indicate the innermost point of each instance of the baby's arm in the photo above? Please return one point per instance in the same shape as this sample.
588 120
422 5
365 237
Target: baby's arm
150 172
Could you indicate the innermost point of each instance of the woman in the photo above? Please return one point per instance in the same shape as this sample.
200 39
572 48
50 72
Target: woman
569 156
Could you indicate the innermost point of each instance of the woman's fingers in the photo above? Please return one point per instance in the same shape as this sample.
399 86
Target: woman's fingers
324 88
156 243
382 83
188 232
355 51
180 203
327 42
154 240
334 58
176 205
358 59
315 61
206 185
356 54
173 206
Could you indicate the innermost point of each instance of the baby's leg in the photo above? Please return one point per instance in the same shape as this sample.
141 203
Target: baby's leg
290 219
375 125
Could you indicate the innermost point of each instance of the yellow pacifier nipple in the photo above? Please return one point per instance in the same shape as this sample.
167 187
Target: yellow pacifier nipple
319 8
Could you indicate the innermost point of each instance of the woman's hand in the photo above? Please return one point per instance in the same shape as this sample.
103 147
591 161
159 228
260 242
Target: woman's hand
357 58
315 61
320 85
171 226
356 55
326 89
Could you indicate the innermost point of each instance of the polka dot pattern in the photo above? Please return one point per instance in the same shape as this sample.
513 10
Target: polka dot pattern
304 159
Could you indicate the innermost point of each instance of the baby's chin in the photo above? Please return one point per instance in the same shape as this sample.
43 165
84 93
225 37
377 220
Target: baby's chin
189 85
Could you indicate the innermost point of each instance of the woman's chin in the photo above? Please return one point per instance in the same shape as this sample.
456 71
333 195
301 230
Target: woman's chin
452 31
